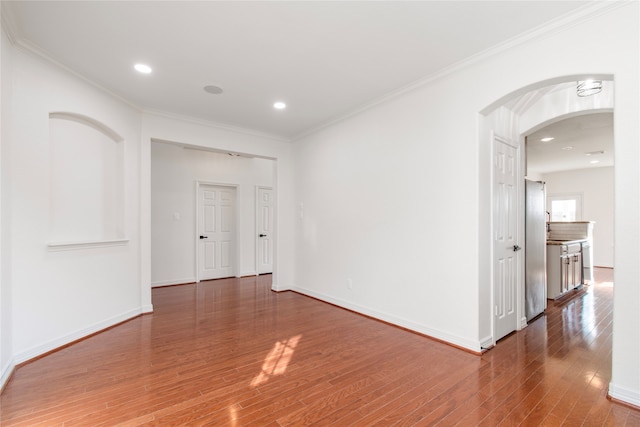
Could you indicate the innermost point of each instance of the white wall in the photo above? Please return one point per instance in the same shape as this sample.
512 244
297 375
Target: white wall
394 197
174 171
390 202
596 186
6 333
61 295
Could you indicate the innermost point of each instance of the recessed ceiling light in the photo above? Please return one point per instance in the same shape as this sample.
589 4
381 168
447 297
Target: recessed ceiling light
279 105
593 162
594 153
143 68
547 139
568 147
215 90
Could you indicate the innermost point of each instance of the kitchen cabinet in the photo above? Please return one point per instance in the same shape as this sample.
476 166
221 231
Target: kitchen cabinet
576 230
564 268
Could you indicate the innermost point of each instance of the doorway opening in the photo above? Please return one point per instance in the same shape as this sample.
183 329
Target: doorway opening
518 115
180 176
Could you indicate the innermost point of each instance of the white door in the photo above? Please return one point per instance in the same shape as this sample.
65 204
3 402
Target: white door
506 250
264 230
216 231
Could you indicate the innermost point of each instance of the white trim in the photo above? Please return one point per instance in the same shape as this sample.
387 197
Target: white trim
624 394
147 308
523 322
172 282
465 343
236 230
91 244
27 46
41 349
248 273
8 23
87 121
6 372
487 343
210 123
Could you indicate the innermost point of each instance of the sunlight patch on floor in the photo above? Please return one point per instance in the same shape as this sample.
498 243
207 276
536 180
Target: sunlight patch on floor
277 360
233 416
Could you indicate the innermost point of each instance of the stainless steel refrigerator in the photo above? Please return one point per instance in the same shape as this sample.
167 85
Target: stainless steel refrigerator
535 249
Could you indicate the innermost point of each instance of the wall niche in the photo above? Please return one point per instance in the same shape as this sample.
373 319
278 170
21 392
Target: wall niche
87 183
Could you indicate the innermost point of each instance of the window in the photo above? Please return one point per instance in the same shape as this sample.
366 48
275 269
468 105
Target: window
566 207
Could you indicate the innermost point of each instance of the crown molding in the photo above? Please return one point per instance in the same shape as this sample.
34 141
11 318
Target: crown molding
8 20
593 9
212 124
11 29
35 50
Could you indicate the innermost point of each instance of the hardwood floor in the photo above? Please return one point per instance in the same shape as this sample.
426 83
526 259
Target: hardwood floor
231 352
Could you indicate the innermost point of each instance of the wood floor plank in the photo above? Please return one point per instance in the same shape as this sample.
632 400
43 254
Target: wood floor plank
231 352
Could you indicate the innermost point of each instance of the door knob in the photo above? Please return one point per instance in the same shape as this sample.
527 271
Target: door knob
204 237
263 235
516 248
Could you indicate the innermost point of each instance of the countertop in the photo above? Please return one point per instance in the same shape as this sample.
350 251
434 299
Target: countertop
571 222
565 242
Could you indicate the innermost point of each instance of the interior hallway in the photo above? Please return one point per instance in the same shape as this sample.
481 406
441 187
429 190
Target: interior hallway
232 352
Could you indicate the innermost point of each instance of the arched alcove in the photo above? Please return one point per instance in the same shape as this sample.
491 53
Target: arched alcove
87 182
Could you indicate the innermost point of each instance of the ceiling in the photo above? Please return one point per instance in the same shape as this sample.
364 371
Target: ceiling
324 59
577 141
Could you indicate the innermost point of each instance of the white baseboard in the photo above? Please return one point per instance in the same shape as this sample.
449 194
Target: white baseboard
474 346
278 288
624 394
172 282
523 323
147 308
69 338
6 372
486 342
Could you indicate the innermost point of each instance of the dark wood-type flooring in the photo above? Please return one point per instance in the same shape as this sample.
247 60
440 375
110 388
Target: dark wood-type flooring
233 353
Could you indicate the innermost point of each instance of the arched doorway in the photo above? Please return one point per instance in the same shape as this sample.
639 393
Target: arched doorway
505 124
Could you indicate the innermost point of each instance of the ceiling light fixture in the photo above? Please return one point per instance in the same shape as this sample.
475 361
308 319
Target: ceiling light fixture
567 148
593 162
214 90
594 153
142 68
547 139
279 105
589 87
